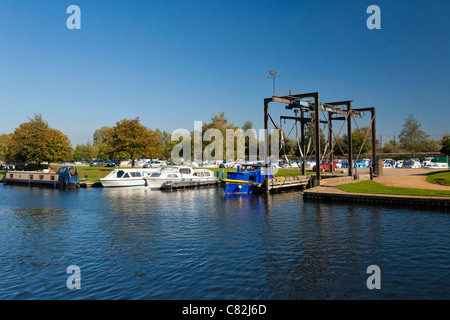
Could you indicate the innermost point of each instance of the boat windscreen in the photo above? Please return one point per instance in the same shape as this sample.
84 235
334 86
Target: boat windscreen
169 169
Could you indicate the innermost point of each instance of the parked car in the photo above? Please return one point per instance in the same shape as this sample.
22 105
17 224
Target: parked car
154 164
226 164
325 165
97 163
112 163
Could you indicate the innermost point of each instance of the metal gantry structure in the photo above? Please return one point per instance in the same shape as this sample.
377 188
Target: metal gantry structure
309 110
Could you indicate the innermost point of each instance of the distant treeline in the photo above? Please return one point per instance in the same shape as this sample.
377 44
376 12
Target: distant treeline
35 141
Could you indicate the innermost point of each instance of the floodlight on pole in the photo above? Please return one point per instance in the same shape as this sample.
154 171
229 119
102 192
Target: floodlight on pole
273 74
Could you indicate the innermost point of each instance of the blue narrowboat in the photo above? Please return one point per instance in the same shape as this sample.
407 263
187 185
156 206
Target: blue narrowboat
245 179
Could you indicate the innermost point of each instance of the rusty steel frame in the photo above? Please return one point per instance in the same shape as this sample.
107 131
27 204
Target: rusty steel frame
343 108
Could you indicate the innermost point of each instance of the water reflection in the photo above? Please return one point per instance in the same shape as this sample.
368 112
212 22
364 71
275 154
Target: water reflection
134 243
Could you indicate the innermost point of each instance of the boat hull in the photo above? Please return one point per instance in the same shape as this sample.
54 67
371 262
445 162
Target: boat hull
50 184
237 188
113 183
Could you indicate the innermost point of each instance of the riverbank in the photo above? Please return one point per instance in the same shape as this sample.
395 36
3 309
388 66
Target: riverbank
396 186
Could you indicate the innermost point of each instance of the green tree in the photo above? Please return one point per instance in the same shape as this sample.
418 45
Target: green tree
431 145
99 142
5 140
412 138
219 122
166 143
445 144
392 146
35 141
129 139
250 139
84 152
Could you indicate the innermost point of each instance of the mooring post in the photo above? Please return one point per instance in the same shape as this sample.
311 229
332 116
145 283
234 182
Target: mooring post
303 144
266 144
374 141
317 134
349 139
330 139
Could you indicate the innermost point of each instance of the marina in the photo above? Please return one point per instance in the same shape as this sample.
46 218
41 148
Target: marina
191 156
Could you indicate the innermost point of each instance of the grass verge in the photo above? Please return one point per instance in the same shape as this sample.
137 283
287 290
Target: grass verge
377 188
441 177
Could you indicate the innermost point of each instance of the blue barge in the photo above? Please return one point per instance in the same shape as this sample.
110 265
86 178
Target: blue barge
246 179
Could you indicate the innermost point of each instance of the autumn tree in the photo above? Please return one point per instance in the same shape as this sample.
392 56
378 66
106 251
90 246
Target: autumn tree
129 139
35 141
5 140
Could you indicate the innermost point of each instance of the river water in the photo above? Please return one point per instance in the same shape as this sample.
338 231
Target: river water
133 243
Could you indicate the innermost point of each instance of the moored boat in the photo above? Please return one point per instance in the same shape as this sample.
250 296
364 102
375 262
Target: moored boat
66 177
127 177
178 174
245 178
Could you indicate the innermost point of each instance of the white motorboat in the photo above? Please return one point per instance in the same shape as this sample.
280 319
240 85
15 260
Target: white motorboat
178 174
388 163
127 177
427 162
412 164
440 163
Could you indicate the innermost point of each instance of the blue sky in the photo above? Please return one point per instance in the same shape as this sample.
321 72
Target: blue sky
173 62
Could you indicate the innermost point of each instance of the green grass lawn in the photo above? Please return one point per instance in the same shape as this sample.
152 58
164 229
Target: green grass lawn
442 177
377 188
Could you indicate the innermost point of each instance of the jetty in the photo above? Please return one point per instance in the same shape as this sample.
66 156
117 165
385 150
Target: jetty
175 186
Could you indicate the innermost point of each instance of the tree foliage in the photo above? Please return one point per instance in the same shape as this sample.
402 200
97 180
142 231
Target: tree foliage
84 152
129 139
35 141
219 122
445 144
412 138
99 142
5 140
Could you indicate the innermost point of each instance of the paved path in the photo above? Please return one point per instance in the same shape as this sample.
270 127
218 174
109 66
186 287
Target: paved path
403 178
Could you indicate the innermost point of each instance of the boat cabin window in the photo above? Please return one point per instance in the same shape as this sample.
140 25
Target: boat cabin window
126 175
120 173
41 177
172 176
31 177
251 178
135 174
185 170
52 178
